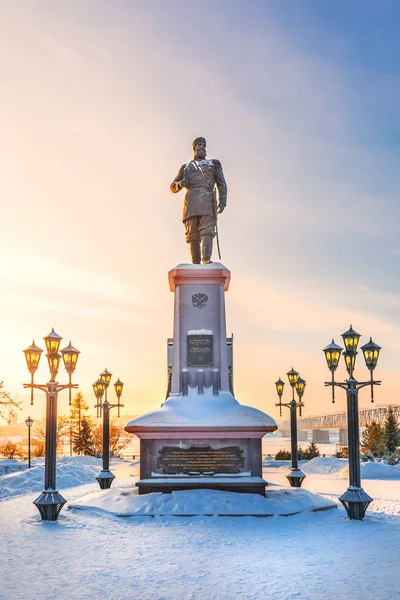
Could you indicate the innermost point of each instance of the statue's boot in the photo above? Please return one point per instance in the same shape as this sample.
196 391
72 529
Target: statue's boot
207 244
195 253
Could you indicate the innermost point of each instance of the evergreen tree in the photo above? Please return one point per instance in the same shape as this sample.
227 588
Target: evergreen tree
373 439
301 455
81 424
391 432
82 440
312 451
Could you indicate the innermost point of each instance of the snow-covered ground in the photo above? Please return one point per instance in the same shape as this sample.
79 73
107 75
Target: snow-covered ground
310 556
70 472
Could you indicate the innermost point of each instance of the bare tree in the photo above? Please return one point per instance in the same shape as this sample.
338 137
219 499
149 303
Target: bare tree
7 404
37 448
118 439
62 431
10 449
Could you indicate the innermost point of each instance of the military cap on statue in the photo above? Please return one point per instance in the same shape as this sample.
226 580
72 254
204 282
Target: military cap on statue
197 140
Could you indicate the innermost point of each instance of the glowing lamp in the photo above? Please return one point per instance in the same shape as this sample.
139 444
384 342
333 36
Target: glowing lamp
371 354
118 385
279 387
106 377
29 422
292 376
350 360
99 388
53 341
32 357
351 339
70 358
95 388
332 355
300 387
54 364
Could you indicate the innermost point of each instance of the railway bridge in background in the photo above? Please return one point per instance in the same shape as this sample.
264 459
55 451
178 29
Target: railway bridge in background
321 424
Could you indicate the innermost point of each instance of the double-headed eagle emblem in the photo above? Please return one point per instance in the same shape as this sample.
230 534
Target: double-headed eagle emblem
199 300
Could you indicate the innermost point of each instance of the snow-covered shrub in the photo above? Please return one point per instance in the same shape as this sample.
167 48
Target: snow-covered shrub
392 458
283 455
368 456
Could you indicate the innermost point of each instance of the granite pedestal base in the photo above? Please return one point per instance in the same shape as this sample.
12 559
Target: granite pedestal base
228 459
244 485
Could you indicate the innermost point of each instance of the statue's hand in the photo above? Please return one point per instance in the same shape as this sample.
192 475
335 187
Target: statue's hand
221 209
177 185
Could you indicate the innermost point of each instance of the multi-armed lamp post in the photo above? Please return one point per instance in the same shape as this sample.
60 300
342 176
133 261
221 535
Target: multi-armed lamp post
50 502
295 476
105 477
355 500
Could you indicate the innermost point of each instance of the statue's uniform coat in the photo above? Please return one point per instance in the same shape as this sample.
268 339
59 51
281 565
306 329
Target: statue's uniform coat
200 177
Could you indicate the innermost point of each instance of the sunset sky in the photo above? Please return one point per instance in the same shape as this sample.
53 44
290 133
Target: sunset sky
100 102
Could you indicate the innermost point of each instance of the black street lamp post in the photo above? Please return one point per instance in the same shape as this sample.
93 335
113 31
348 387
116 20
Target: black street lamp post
29 423
106 477
50 501
355 500
295 475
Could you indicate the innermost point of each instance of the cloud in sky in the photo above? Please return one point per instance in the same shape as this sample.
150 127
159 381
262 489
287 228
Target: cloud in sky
100 102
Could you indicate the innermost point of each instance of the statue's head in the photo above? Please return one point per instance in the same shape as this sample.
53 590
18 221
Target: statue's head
199 148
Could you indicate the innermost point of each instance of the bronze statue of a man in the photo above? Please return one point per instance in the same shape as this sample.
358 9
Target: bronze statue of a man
199 177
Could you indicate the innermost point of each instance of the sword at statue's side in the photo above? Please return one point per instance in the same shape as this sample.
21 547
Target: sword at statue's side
216 222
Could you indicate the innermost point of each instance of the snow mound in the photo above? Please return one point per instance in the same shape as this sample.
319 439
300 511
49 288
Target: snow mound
71 471
375 470
324 465
126 502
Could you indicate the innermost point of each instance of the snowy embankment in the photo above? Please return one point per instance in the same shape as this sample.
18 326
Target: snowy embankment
126 503
337 467
325 466
340 468
375 470
71 471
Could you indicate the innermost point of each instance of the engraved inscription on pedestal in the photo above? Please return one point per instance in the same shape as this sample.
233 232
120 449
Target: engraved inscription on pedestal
200 460
200 350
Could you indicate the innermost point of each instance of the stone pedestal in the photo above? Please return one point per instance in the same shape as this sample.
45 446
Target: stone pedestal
201 437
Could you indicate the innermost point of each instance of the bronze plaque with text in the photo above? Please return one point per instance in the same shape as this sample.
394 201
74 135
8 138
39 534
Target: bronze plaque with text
200 350
199 459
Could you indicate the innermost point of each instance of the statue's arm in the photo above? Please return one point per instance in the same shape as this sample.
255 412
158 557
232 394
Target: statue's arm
221 185
178 182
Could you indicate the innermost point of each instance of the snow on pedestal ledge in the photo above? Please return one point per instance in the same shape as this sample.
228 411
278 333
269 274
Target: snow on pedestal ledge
126 502
193 267
205 410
